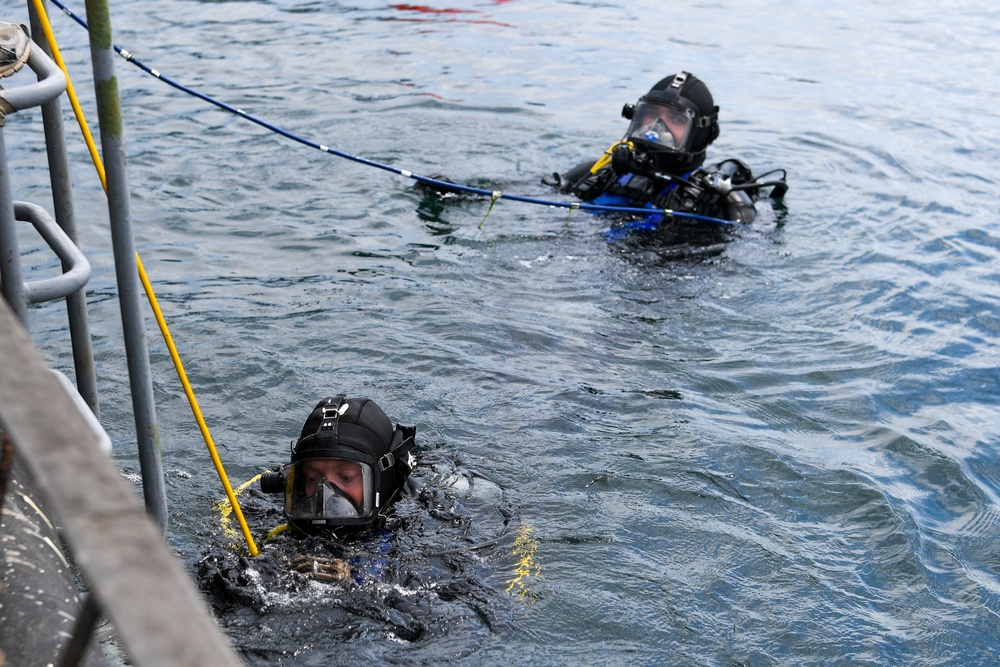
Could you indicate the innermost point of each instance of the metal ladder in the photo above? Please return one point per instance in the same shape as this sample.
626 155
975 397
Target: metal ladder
54 428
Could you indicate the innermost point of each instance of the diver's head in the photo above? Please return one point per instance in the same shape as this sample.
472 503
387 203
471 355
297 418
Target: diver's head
347 467
674 123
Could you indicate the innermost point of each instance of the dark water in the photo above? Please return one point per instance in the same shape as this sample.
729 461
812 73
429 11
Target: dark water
781 455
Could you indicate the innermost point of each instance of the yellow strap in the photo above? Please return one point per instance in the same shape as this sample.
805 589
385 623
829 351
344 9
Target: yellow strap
99 165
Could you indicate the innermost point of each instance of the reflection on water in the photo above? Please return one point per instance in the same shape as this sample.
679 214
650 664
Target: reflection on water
784 453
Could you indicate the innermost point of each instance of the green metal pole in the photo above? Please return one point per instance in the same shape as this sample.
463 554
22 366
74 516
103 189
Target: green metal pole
126 269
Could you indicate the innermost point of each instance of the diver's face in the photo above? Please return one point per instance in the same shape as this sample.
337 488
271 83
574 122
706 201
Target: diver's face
345 475
661 124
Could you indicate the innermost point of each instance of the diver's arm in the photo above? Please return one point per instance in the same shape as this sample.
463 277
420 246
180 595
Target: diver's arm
573 177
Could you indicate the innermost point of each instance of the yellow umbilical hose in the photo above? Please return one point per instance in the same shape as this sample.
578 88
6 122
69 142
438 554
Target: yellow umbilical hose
147 286
604 159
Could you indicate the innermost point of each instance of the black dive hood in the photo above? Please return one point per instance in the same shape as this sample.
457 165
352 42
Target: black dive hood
339 433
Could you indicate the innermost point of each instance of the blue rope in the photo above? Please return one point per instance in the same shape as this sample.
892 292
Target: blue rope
445 185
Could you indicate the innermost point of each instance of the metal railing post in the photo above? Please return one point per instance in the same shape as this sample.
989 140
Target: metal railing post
62 201
10 255
51 84
126 267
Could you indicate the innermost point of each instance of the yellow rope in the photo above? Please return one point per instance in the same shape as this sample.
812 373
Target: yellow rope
77 111
225 509
99 165
277 531
575 206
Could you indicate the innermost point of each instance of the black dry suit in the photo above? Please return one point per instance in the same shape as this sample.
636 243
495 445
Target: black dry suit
659 164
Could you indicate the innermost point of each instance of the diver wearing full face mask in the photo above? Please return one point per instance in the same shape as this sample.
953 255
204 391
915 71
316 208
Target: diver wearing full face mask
347 467
659 163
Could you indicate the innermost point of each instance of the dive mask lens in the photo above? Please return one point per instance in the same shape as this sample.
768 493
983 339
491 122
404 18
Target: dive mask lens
664 126
329 490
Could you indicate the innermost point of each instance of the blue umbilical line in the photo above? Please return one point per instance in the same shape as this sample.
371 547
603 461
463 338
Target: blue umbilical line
442 185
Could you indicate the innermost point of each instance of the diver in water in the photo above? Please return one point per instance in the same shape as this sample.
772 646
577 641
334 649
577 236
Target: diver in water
402 549
660 162
347 468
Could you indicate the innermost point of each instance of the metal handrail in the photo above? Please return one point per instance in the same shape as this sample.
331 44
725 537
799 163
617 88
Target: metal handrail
51 84
77 271
45 92
155 607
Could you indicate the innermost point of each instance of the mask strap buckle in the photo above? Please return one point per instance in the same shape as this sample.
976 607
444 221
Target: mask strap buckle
403 439
386 462
331 414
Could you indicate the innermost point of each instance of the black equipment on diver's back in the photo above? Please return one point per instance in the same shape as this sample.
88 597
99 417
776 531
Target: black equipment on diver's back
726 190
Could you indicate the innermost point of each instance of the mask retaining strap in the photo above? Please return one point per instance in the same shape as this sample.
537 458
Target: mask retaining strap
398 456
702 121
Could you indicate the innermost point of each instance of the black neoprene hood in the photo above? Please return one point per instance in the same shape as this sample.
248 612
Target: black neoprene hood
686 91
355 429
338 423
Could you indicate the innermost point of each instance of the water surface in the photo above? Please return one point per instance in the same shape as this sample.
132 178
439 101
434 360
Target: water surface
784 454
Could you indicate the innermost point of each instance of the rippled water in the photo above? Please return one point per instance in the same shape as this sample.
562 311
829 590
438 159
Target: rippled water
781 455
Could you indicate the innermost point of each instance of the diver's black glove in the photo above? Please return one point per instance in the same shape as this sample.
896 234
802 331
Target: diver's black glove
556 181
439 186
